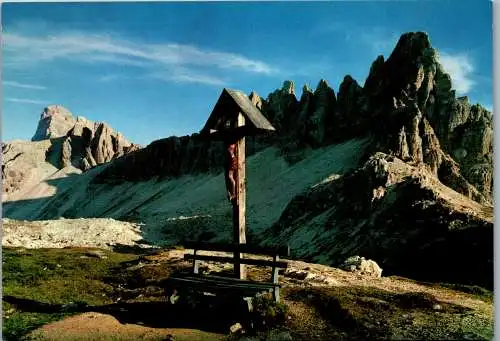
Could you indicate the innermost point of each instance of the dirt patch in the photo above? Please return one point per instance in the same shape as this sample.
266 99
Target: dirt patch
93 326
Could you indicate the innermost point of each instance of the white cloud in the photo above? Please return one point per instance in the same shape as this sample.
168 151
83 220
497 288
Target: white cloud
178 75
380 41
182 75
21 50
460 69
202 79
109 78
24 86
26 101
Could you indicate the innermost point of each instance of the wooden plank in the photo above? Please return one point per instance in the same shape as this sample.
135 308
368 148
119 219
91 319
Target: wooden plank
222 259
252 113
213 286
209 283
233 134
270 250
231 102
239 206
248 292
214 278
230 134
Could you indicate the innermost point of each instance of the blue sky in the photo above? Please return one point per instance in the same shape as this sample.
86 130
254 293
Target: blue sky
153 70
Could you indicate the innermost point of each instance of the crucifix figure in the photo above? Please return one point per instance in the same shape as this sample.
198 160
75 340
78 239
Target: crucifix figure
231 170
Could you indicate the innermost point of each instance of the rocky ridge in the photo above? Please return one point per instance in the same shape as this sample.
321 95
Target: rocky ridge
398 214
407 105
63 142
80 142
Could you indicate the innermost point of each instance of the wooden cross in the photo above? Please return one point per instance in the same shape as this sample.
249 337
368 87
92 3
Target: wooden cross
239 205
244 119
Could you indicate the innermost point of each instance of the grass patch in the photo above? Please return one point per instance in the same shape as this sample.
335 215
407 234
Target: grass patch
474 290
362 313
267 314
20 323
39 283
41 286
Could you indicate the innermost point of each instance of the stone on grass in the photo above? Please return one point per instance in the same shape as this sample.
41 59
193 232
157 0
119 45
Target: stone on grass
363 266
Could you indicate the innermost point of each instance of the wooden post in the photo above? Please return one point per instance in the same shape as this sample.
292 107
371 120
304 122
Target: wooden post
274 279
239 205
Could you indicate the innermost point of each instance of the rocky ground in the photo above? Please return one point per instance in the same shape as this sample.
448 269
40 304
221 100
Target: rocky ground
322 303
92 232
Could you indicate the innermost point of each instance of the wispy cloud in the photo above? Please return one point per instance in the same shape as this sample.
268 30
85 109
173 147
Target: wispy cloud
23 86
379 40
110 78
26 101
21 50
176 75
189 77
460 68
345 30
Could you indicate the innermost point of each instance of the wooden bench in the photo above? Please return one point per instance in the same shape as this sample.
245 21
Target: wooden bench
221 284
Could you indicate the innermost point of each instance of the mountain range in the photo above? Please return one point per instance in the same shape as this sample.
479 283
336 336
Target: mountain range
399 170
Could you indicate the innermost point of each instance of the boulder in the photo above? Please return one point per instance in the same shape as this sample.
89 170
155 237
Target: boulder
363 266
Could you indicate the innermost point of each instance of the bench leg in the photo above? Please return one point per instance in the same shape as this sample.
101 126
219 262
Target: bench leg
276 294
248 320
173 297
249 301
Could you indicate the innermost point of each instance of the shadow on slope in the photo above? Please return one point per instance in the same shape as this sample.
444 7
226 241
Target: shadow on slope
149 314
44 207
193 206
344 313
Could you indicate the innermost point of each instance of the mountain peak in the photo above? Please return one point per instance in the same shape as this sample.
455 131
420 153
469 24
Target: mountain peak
55 121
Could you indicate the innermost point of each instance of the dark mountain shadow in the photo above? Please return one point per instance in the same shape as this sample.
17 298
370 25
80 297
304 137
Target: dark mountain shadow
209 315
77 152
350 310
38 209
63 205
53 153
134 249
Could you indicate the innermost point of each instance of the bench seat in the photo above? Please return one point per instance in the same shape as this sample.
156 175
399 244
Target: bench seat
221 284
217 284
